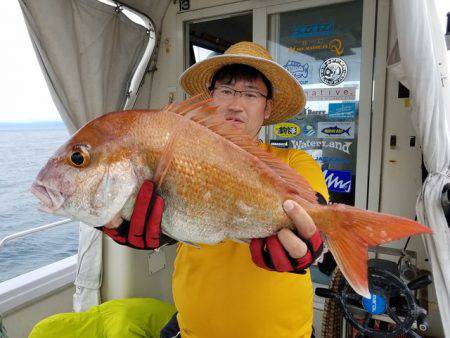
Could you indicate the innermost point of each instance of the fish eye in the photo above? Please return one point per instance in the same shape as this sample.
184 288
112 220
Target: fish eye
79 157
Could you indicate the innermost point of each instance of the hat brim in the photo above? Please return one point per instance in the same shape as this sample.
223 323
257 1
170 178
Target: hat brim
287 94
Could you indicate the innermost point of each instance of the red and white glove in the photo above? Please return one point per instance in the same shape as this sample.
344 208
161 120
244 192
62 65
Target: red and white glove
268 253
143 231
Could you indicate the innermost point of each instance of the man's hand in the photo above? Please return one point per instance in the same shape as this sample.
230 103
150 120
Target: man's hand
289 251
143 231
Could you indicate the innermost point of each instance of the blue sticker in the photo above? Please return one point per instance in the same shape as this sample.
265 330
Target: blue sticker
308 130
376 304
313 30
338 180
300 70
343 110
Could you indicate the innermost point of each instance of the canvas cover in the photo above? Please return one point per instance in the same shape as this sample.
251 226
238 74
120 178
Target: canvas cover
422 67
94 59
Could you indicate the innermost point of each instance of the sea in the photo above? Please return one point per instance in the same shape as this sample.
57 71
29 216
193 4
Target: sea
24 149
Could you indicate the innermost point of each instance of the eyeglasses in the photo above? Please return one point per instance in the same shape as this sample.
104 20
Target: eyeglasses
227 93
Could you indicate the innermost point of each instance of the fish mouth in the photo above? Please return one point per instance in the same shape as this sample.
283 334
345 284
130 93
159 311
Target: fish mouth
50 199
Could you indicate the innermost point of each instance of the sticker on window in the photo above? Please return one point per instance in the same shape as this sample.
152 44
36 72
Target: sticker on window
338 180
344 130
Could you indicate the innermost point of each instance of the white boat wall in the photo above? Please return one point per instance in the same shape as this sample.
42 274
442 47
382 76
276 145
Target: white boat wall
387 162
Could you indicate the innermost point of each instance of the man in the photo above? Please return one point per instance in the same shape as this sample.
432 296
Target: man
229 290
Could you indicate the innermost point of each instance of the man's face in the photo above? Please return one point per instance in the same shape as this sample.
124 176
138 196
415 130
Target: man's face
246 109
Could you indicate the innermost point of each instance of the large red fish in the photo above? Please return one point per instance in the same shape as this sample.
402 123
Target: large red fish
216 182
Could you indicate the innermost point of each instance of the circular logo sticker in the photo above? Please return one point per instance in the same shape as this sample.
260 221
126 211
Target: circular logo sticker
333 71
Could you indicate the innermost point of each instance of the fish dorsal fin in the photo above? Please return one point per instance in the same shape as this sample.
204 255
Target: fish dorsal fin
202 112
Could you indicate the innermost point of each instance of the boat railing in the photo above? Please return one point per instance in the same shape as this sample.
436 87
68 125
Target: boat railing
23 233
33 285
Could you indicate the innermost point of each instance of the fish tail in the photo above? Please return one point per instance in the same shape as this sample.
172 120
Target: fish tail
350 231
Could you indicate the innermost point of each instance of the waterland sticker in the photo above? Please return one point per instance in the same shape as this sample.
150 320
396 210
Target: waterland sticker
336 130
311 144
333 71
331 94
338 180
344 110
286 129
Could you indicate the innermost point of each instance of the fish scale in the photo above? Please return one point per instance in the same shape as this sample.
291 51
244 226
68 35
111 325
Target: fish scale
212 175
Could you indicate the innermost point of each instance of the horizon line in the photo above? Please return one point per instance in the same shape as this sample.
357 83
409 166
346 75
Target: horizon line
36 121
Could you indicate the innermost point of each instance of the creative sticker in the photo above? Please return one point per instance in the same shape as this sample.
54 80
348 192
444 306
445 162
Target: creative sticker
331 94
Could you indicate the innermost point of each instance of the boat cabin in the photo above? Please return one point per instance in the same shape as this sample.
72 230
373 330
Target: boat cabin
363 123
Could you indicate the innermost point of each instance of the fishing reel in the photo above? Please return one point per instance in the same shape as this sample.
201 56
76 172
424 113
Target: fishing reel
392 302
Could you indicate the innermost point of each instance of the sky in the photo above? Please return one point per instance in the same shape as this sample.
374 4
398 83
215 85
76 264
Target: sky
24 93
23 90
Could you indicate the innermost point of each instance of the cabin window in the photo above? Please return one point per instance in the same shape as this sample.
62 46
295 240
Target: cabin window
321 48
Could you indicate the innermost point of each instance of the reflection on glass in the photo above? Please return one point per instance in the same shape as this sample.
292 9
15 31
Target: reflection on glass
202 53
208 38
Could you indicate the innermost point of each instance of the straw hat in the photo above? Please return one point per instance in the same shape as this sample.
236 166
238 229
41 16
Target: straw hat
287 94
